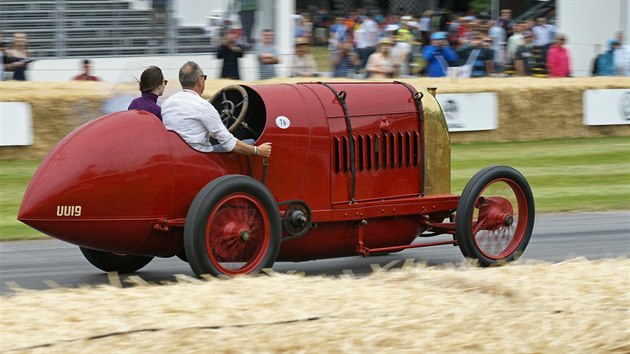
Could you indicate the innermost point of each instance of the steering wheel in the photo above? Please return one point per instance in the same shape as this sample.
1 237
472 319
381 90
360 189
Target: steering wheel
228 108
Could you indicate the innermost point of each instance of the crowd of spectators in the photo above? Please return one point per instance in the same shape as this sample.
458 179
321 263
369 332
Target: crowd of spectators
365 44
439 43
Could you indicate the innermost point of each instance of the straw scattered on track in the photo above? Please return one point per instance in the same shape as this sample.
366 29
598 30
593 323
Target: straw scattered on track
576 306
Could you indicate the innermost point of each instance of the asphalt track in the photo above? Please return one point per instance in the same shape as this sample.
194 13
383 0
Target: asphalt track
556 237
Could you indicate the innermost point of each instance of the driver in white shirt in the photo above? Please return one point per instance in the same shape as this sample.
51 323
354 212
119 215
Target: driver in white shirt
196 120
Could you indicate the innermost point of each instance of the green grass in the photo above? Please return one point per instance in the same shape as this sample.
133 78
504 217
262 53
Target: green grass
14 177
586 174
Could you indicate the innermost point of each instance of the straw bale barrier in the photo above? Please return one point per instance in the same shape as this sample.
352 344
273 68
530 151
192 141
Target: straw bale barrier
575 306
529 108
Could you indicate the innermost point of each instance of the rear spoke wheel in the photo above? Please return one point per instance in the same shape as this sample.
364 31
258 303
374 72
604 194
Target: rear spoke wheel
237 233
232 228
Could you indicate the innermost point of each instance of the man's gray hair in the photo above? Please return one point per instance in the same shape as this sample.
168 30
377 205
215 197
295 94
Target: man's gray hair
188 74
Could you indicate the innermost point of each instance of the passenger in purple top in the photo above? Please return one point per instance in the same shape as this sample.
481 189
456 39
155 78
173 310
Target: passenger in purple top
152 85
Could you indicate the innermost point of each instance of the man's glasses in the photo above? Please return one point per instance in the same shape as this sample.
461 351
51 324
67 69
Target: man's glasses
165 82
205 77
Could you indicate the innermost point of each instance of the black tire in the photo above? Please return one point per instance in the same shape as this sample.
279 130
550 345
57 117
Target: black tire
495 216
233 227
182 255
111 262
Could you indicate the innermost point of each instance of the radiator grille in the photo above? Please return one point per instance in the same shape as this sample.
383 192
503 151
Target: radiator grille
377 151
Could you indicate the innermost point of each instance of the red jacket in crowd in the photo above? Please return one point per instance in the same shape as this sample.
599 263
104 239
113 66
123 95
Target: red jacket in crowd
558 61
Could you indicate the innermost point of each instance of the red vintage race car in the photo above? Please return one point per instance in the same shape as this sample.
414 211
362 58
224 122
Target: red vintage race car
357 169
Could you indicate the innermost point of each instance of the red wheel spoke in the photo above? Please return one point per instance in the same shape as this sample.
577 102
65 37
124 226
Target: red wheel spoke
233 227
478 226
237 234
499 234
495 216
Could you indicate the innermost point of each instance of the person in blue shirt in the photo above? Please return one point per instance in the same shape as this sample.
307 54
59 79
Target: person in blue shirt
439 55
606 60
346 59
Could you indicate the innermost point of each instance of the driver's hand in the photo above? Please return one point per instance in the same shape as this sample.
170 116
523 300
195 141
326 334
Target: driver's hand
264 150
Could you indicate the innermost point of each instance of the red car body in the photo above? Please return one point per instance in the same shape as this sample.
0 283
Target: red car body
365 167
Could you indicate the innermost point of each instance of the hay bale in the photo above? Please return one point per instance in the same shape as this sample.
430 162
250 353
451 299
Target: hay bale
57 108
529 108
576 306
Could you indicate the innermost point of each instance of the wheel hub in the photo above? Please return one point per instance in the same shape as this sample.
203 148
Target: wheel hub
232 229
497 212
245 235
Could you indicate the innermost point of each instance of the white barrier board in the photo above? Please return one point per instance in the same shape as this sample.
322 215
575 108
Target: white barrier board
470 111
16 124
606 107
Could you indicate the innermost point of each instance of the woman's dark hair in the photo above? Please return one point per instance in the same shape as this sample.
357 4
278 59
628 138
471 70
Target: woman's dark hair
150 79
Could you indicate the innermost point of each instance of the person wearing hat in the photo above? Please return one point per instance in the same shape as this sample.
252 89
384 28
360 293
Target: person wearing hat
439 55
606 60
303 64
380 65
525 58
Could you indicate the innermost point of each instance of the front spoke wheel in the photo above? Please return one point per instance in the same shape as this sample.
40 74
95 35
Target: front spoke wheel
495 216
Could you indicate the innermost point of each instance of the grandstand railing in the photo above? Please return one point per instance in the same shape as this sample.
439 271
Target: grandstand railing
79 28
